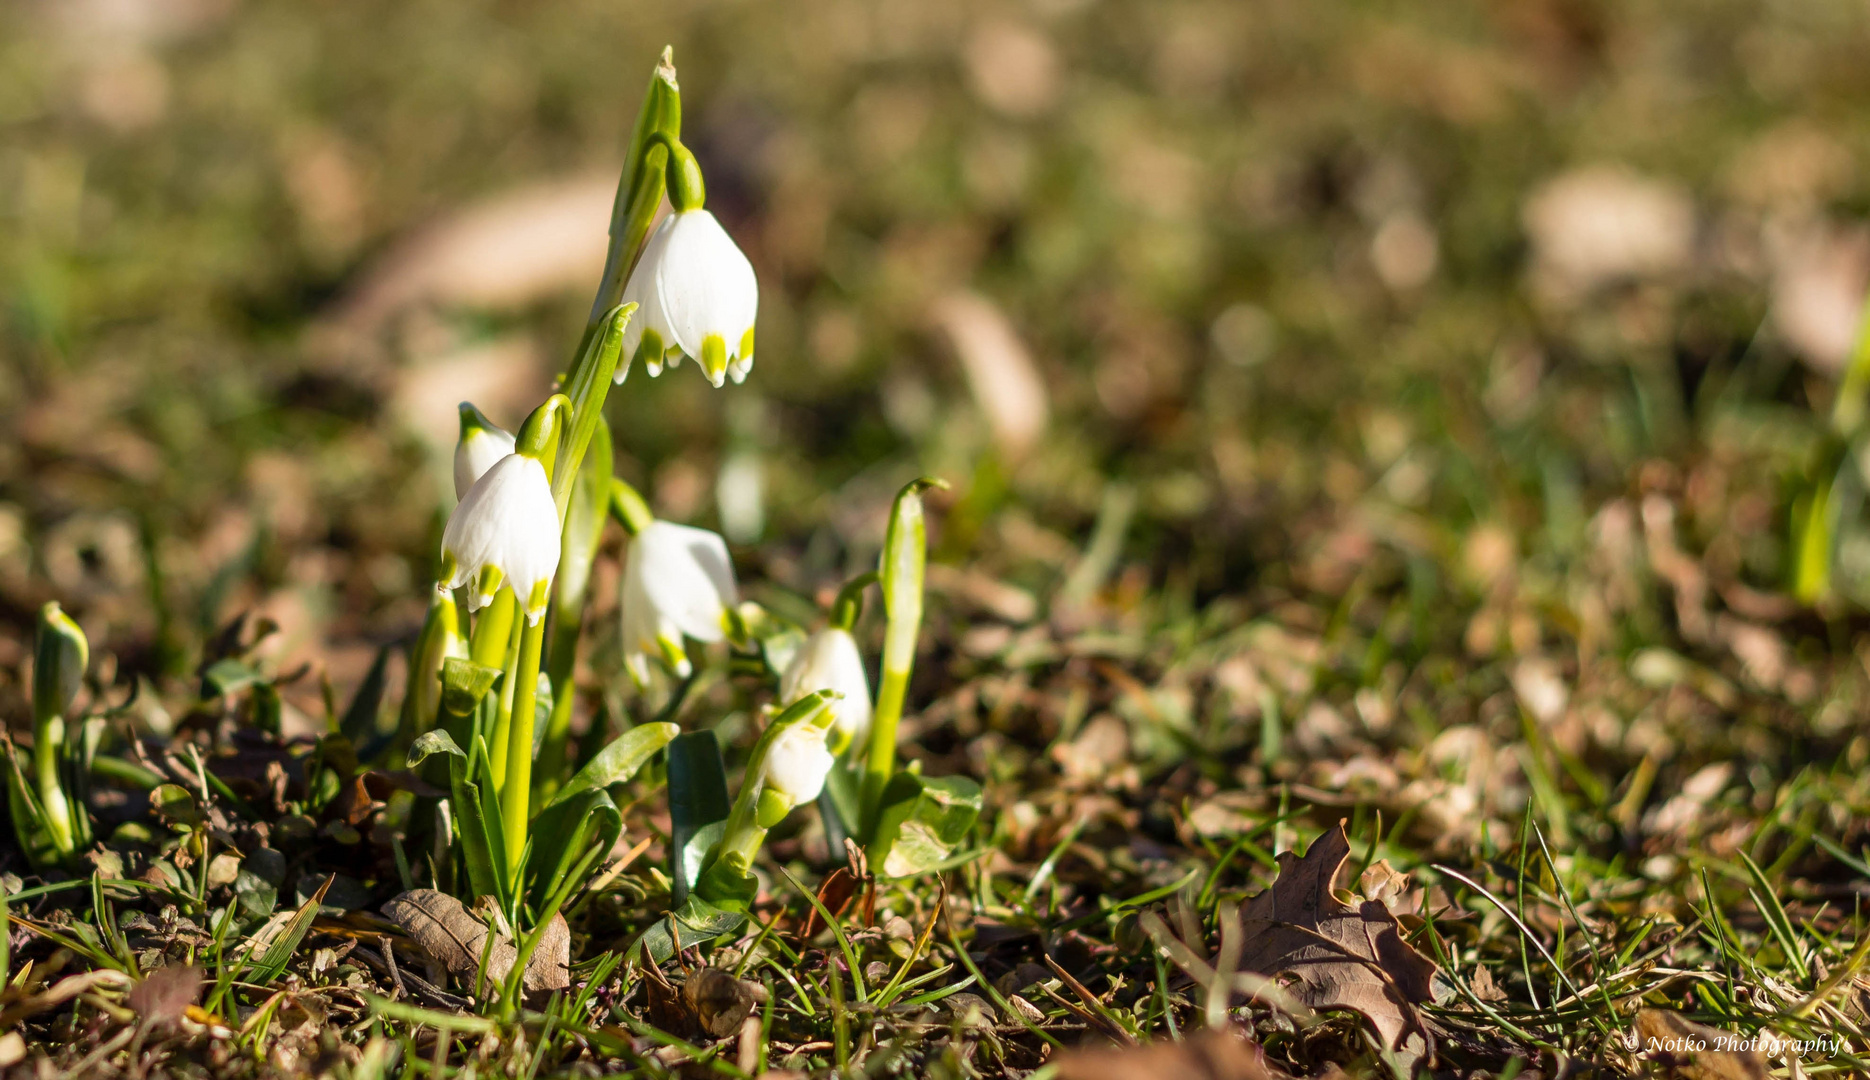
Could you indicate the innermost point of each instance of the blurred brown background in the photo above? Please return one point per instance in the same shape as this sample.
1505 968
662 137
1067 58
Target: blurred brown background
1319 280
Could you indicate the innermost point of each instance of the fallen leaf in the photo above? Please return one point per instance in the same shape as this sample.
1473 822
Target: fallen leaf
1694 1051
835 895
1000 370
1206 1055
719 1001
1484 987
1341 956
512 249
162 999
455 939
1381 881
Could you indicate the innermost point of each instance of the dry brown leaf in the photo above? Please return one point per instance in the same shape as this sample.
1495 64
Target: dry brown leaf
162 999
1000 370
1206 1055
1484 987
505 252
454 939
1381 881
1694 1051
1341 957
718 1001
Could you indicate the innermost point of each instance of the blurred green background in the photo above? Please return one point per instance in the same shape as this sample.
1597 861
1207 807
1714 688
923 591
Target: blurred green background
1480 304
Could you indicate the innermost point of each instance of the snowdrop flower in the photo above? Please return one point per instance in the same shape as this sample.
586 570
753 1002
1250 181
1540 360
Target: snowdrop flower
677 582
797 762
505 530
830 660
482 443
697 292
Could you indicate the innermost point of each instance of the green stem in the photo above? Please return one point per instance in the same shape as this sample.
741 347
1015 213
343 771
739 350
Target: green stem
503 711
849 605
48 739
584 531
516 792
492 629
567 628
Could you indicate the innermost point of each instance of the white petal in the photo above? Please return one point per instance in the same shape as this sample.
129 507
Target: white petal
831 660
507 520
476 453
643 288
706 285
687 577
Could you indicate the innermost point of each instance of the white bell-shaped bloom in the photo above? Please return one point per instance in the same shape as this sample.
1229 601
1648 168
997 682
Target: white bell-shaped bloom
830 660
797 762
698 298
480 446
504 531
677 582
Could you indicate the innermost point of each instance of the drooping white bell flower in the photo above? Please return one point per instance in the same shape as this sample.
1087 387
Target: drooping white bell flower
830 660
698 298
797 763
677 582
504 531
482 443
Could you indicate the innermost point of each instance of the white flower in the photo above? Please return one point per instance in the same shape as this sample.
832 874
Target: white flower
698 298
505 530
677 581
797 761
481 444
830 660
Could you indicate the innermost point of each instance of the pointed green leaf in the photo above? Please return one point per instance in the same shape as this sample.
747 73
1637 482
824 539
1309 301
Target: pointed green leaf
697 795
619 761
273 963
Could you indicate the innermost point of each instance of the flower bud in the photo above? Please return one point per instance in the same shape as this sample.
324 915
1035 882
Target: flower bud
830 660
482 443
60 655
797 763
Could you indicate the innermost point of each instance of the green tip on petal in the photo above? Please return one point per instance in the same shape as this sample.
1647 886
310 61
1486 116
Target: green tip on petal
673 657
536 603
488 583
649 352
714 359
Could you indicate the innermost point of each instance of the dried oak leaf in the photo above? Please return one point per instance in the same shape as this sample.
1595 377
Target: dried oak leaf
1207 1055
1339 956
1694 1051
454 939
